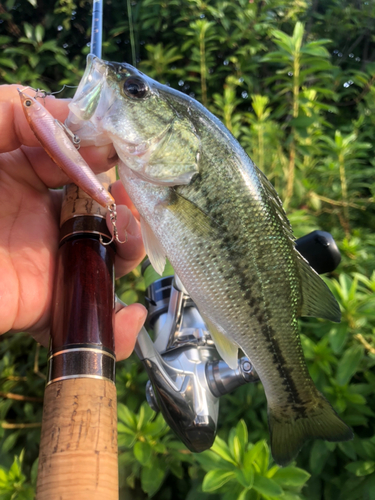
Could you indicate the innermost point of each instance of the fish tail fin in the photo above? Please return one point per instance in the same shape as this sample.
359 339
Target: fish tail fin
290 429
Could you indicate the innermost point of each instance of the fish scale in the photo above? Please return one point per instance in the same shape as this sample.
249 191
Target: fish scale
205 206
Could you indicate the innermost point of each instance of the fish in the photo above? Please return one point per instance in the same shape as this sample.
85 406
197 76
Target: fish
206 207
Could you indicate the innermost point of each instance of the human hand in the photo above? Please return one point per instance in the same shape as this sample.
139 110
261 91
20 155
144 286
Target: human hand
29 226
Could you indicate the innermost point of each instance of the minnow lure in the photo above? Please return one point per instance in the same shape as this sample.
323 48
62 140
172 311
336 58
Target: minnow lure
61 145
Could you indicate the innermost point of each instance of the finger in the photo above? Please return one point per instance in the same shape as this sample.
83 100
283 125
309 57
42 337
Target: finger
128 322
99 159
130 253
122 198
15 131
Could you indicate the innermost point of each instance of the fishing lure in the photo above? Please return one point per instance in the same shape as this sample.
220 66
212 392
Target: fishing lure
61 145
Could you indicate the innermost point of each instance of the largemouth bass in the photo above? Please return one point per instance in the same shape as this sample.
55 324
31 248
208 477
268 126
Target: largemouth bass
220 222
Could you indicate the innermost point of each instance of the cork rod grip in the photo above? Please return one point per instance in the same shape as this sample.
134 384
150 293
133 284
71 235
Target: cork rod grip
78 457
78 448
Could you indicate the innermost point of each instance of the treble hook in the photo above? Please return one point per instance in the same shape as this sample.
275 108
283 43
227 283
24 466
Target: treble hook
113 216
71 135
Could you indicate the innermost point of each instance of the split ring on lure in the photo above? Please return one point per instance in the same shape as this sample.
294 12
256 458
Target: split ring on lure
61 145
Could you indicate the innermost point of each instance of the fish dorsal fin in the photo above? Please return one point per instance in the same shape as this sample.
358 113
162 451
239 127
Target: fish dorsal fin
317 299
226 348
153 248
275 203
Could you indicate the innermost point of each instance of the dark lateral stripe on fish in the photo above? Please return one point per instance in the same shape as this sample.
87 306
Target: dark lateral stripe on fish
255 303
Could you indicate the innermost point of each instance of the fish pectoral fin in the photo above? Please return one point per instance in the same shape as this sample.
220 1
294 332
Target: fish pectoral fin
226 348
153 248
317 299
291 427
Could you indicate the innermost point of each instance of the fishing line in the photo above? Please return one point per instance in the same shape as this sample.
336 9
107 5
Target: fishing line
41 93
131 29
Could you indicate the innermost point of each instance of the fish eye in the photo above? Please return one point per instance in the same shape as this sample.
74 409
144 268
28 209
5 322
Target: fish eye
28 103
135 87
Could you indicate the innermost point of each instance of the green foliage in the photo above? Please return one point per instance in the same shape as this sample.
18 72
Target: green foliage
12 482
294 81
241 470
147 451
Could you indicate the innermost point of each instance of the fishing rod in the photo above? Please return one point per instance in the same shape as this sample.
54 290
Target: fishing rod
78 448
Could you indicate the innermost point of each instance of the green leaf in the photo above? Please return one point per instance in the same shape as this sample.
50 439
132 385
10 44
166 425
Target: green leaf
243 495
318 456
302 121
28 30
39 33
8 63
124 429
10 441
266 486
337 337
151 479
210 460
3 479
125 458
286 41
64 61
156 427
34 60
361 468
34 471
241 431
291 476
245 477
221 448
159 447
126 416
215 479
253 453
145 415
176 469
142 452
126 440
315 51
298 36
349 364
347 447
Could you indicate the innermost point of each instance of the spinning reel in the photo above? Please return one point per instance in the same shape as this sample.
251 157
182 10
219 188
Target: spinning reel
187 377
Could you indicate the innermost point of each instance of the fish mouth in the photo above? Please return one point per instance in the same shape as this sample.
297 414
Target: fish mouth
93 100
89 105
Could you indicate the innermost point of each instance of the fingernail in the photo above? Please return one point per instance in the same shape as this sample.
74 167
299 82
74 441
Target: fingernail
112 157
130 225
142 317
